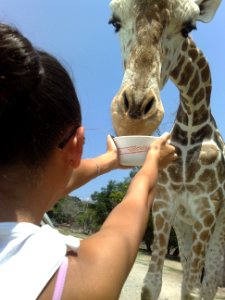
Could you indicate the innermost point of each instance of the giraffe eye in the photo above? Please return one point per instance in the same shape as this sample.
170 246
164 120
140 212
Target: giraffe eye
116 23
187 29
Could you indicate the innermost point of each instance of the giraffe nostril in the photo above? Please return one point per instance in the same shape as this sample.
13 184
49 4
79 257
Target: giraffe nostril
125 101
149 105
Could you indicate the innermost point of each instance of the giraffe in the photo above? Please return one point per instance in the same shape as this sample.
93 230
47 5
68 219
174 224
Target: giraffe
156 46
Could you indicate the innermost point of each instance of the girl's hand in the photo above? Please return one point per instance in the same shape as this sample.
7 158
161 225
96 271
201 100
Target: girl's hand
164 152
114 153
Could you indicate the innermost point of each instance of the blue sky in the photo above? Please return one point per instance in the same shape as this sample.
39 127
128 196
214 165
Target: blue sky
77 33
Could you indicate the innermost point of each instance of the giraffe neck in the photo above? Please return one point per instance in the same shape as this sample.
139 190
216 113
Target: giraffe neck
193 79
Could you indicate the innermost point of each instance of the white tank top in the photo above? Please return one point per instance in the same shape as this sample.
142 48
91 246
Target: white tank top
29 256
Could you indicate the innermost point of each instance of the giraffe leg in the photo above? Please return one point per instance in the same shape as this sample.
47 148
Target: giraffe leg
162 221
201 237
214 259
184 237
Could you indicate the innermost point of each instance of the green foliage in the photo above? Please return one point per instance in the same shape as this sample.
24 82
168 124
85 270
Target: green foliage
107 199
88 216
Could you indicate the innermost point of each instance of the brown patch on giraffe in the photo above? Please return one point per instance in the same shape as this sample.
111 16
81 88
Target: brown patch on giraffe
198 226
204 236
175 173
209 154
209 220
176 71
193 53
204 133
201 62
198 248
206 73
186 74
182 116
194 84
186 105
200 116
180 136
200 95
159 220
221 171
161 192
185 45
209 178
158 205
162 240
217 199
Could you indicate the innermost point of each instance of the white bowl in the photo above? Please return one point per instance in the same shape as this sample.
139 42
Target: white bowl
133 148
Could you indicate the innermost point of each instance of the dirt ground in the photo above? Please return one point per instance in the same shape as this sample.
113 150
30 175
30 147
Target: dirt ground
172 276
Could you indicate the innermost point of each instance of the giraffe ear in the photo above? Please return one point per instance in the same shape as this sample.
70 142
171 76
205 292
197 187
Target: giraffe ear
208 9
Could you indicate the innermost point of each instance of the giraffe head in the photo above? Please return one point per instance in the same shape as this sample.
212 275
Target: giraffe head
151 35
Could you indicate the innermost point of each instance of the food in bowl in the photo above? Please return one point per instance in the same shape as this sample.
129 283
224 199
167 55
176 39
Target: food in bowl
133 148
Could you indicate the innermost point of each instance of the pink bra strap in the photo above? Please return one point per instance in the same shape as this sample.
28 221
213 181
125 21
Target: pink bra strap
60 280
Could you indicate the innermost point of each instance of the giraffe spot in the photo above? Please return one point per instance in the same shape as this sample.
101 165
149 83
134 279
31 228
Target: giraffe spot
186 74
221 171
193 53
198 226
159 205
204 133
201 62
209 220
194 85
209 154
217 199
162 240
200 95
208 177
159 222
208 90
161 192
204 236
176 71
175 173
206 73
182 116
180 135
200 116
197 248
185 45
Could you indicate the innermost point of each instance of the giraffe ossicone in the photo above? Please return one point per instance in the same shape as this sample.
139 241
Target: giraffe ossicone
156 46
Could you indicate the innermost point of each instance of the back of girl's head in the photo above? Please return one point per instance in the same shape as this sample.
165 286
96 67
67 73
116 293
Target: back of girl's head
38 102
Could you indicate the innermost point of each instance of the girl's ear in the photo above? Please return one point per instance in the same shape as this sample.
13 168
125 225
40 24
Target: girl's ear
74 148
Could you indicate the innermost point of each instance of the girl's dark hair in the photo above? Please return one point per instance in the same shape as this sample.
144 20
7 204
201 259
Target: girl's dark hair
38 102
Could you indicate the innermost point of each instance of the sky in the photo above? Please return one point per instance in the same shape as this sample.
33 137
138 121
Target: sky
78 34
